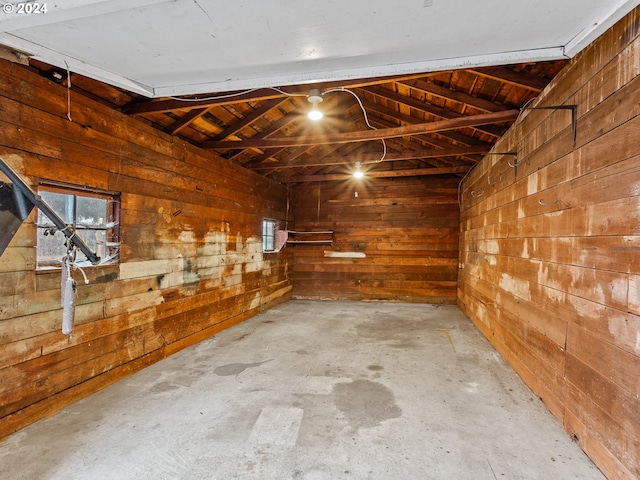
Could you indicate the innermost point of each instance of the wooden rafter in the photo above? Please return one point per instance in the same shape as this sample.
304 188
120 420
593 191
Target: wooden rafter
185 120
408 155
402 145
274 128
320 152
428 141
454 95
163 106
431 109
250 118
414 172
455 137
512 77
367 135
269 153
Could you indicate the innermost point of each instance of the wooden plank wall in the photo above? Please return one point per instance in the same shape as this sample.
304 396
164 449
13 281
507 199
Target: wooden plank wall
550 270
407 228
191 255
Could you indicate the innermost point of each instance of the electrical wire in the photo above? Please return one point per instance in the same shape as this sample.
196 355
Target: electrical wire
238 94
68 92
366 120
276 89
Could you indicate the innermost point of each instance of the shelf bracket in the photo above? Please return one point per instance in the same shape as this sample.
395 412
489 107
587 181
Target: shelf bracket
574 117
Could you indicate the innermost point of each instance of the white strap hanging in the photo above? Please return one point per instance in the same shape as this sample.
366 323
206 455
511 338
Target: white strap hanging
68 300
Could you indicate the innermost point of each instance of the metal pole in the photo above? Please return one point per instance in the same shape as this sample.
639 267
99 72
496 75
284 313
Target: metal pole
44 208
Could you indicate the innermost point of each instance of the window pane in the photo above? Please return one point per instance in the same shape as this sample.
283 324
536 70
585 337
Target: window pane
91 212
50 247
60 203
268 232
95 240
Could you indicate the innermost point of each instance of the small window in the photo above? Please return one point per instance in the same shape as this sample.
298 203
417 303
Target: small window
268 235
94 216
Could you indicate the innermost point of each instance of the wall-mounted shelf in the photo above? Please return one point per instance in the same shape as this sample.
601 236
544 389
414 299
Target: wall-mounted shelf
294 237
324 237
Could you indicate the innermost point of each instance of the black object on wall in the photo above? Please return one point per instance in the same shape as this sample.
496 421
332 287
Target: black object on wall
24 200
14 209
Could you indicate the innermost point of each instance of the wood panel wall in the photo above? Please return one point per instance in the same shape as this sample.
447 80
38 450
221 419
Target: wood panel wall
191 254
407 228
550 264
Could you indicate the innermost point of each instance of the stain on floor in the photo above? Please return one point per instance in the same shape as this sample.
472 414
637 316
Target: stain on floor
232 369
164 387
365 404
396 332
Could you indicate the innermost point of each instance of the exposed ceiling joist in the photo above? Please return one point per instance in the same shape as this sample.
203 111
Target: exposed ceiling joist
381 174
449 136
454 95
434 110
367 135
502 74
185 120
250 118
392 157
253 95
274 128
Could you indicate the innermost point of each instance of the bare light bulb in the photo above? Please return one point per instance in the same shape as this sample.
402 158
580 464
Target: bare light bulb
358 173
314 114
314 97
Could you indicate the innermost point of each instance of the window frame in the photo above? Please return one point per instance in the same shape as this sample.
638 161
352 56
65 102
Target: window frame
266 222
110 246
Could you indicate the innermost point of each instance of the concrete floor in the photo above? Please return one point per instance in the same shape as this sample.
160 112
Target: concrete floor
312 390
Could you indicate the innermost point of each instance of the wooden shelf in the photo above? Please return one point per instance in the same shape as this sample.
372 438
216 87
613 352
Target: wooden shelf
323 237
310 241
295 237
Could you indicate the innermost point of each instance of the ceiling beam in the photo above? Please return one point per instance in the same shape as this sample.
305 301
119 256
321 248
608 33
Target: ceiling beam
456 137
454 95
163 106
185 120
403 145
274 128
414 172
429 140
268 153
428 108
392 157
319 152
522 80
250 118
367 135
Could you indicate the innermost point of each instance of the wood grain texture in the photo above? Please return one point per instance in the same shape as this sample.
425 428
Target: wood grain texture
191 257
549 250
407 227
366 135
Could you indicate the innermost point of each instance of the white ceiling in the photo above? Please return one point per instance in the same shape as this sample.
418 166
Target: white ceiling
176 47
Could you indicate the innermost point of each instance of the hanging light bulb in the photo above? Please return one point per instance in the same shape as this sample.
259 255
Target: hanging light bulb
358 173
314 97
